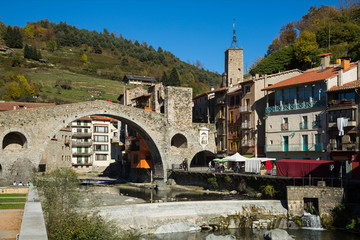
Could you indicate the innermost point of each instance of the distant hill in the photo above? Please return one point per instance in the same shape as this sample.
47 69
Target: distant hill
323 29
95 58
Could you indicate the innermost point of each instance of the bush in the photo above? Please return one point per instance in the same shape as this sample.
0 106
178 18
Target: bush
213 182
61 202
269 191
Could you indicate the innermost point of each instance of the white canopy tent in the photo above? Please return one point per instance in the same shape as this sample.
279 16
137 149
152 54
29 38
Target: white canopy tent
236 158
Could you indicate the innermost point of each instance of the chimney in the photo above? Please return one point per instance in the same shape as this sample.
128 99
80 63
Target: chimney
325 59
345 64
340 77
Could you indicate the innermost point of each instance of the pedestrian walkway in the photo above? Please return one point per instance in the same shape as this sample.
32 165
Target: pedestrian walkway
33 224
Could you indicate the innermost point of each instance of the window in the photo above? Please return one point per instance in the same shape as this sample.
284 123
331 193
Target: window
78 123
232 101
300 94
101 129
278 97
247 89
98 147
286 96
231 116
231 130
231 146
238 131
78 130
101 157
79 160
237 99
285 124
101 138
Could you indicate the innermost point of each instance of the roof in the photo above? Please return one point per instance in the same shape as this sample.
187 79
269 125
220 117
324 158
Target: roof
308 77
324 54
8 106
346 86
139 78
142 96
213 91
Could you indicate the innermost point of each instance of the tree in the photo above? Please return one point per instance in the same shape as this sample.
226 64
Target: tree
304 47
174 78
84 58
12 90
13 37
51 45
164 78
287 34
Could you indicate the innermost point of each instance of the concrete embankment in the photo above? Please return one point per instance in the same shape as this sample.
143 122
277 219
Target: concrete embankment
149 217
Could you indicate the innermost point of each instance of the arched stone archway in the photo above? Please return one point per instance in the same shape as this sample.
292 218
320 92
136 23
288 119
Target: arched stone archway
179 141
201 159
14 141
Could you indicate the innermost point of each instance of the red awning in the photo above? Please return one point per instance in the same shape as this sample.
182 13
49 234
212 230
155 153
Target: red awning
304 168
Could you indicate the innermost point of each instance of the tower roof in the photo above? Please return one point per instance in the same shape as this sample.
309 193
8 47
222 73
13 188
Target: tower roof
234 43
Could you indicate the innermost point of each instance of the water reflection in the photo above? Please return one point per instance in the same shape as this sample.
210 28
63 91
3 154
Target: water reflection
250 234
152 195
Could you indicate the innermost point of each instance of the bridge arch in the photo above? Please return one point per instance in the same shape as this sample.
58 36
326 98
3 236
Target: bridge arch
202 158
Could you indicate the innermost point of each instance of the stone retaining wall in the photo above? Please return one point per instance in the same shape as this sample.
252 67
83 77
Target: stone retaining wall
148 217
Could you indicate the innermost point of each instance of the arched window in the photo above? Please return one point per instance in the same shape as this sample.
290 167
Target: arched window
179 141
14 140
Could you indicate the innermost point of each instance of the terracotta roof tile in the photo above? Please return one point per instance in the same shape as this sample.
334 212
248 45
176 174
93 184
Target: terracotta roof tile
349 85
8 106
308 77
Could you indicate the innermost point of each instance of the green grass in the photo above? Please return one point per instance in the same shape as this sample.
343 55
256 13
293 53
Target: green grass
12 206
80 84
13 195
9 200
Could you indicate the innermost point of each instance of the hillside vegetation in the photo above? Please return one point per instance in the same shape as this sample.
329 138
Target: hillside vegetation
323 29
65 64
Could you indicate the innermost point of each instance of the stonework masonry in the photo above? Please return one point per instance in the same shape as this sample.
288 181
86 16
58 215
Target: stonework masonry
328 199
32 130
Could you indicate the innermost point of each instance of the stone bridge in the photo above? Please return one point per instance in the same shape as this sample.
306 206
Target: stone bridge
170 137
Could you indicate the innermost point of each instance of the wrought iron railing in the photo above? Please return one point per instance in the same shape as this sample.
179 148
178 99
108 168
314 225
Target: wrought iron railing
295 106
294 147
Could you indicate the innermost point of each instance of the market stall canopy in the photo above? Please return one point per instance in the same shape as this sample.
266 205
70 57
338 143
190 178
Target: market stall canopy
236 158
264 159
220 160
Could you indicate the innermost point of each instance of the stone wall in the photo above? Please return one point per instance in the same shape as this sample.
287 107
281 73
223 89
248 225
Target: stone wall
328 198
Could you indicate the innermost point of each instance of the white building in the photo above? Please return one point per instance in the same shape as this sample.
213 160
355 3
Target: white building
296 122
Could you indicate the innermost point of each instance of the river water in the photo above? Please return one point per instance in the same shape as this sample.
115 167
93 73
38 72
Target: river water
151 195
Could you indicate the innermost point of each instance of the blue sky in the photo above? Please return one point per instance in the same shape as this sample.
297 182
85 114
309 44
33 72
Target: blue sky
191 30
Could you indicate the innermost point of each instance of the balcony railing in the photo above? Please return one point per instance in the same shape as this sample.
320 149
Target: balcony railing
344 147
81 134
303 125
284 126
294 147
295 106
316 124
88 153
245 109
246 125
81 144
341 104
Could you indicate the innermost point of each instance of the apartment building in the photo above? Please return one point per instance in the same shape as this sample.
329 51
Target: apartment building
296 118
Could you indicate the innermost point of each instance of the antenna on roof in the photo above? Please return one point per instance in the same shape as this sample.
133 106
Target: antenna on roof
234 43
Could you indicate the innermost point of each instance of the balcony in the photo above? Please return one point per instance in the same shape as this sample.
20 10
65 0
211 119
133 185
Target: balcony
246 143
295 106
246 125
316 124
303 125
81 134
79 154
333 104
244 109
294 147
344 147
284 126
81 144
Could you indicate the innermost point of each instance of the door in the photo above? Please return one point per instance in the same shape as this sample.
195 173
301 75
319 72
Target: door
305 142
286 143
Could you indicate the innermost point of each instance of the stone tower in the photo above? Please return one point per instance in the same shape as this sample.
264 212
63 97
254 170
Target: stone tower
234 63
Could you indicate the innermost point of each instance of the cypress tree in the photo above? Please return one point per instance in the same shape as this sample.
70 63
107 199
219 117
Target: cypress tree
26 51
174 79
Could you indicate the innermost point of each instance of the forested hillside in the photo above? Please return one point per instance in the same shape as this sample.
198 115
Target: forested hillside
323 29
45 48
